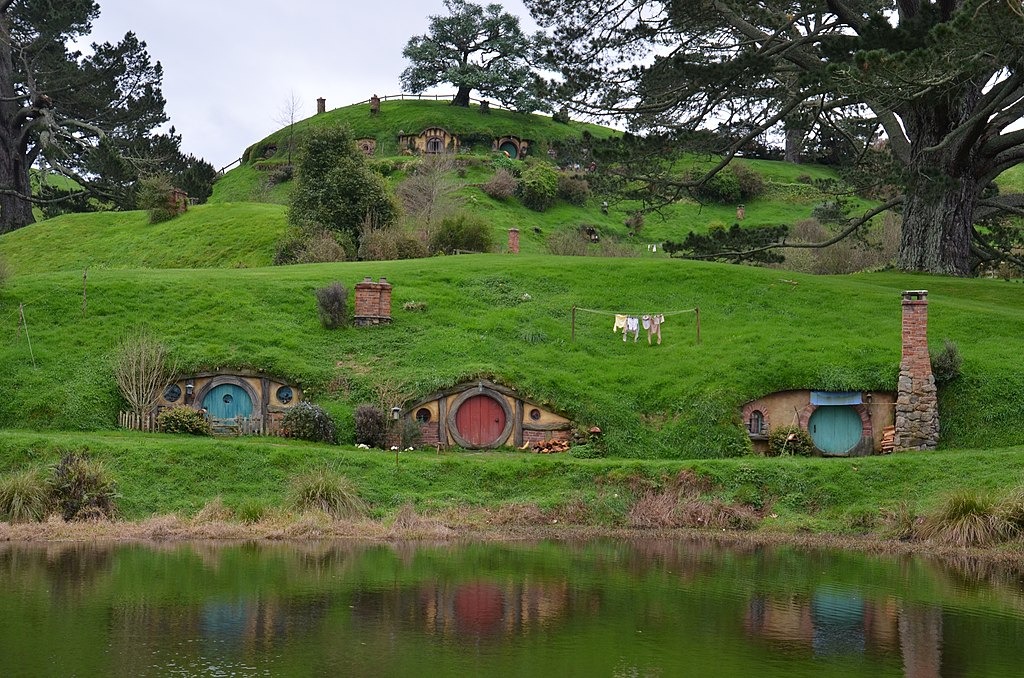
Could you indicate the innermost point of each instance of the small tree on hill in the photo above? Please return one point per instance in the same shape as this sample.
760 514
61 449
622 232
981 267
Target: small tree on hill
475 47
336 189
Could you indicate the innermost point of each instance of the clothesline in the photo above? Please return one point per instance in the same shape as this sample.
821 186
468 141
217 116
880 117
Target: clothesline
695 309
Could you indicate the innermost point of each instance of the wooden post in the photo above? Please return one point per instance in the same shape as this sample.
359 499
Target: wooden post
85 276
574 323
697 309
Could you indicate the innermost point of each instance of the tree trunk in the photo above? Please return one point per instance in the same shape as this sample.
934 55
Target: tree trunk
937 220
15 211
794 144
462 97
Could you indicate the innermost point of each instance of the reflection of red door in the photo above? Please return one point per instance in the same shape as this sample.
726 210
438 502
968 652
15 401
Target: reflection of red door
480 420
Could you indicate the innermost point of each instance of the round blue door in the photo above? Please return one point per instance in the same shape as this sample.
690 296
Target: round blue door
835 429
228 401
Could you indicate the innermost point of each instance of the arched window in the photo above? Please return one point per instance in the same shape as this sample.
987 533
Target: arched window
756 423
435 145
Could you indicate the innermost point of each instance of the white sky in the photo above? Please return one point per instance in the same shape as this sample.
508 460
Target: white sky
230 65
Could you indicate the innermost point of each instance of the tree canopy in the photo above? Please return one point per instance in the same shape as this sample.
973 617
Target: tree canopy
474 48
942 80
88 116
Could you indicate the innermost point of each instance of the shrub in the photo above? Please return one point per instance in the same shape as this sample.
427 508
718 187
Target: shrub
501 186
410 247
307 421
389 244
141 368
24 496
790 440
183 420
635 221
324 489
156 194
513 167
538 186
723 188
82 489
462 232
750 181
213 511
829 212
313 245
573 189
371 426
804 179
409 434
967 519
568 244
946 363
280 175
251 511
332 305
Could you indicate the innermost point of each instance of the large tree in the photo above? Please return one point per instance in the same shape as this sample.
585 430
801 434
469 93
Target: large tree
76 113
944 79
474 48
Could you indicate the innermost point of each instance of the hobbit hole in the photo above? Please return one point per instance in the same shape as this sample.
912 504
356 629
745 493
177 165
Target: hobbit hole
239 402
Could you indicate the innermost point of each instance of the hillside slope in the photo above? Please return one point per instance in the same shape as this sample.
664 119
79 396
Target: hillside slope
508 318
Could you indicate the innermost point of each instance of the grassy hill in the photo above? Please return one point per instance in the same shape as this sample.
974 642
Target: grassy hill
507 318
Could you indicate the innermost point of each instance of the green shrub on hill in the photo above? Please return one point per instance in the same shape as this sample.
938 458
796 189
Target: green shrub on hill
307 421
82 489
538 186
573 189
183 420
332 305
462 232
371 426
156 196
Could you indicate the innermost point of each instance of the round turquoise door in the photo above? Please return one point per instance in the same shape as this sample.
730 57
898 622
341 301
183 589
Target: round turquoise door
835 429
228 401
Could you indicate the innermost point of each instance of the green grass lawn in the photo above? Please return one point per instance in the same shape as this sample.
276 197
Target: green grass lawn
507 318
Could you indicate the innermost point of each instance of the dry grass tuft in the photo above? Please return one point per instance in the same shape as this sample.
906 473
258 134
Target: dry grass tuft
409 524
215 510
519 514
968 519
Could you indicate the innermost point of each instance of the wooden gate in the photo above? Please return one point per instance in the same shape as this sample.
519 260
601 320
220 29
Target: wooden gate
480 420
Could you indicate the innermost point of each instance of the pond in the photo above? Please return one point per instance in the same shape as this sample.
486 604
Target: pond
594 608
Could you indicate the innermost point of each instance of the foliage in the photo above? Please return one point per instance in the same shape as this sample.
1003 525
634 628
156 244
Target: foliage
967 518
307 421
790 440
872 250
24 496
462 232
568 244
142 368
474 48
371 426
332 305
429 193
635 222
183 419
722 187
503 162
501 186
336 188
82 489
573 189
325 489
538 186
156 195
751 183
946 363
388 244
312 246
734 244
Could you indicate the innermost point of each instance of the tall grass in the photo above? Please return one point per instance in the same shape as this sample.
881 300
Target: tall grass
24 496
968 518
325 489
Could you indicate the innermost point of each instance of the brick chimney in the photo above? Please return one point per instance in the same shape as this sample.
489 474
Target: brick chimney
917 406
513 240
321 105
373 302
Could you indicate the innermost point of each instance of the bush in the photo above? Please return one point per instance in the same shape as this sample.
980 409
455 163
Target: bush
462 232
829 212
568 244
389 244
750 182
82 489
324 489
332 305
307 421
967 519
723 188
314 245
513 167
371 426
946 363
183 420
141 369
635 222
790 440
24 496
538 186
156 194
573 189
251 511
501 186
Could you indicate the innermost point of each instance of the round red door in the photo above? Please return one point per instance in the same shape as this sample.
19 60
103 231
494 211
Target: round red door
480 420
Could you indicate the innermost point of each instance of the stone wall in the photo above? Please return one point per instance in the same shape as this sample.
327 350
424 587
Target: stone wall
917 406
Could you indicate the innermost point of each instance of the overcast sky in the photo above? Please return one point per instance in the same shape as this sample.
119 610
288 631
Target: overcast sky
230 65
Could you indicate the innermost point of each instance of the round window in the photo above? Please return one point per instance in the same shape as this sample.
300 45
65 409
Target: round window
423 415
172 393
285 395
228 398
535 414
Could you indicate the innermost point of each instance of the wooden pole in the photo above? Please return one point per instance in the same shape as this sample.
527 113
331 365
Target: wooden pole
574 323
698 324
21 314
85 277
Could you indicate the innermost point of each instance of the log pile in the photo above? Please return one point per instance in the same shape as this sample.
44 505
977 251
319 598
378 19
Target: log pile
551 446
888 439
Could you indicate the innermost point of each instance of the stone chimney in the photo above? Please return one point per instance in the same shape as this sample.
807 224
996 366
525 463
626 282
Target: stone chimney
917 405
373 302
321 105
513 240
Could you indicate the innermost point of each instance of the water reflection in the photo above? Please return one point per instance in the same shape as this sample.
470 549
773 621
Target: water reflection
645 607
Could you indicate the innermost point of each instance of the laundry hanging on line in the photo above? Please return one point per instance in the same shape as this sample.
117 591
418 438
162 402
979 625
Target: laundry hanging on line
632 322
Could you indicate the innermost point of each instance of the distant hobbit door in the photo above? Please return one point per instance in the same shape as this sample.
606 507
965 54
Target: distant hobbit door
835 429
481 421
228 401
511 148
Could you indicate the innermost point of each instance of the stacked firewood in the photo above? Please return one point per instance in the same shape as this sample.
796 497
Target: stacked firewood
888 439
551 446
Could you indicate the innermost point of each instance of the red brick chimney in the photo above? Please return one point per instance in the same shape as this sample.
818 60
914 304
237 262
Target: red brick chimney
321 105
513 240
917 406
373 302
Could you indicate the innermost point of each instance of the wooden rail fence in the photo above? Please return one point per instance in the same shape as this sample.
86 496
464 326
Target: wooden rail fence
137 422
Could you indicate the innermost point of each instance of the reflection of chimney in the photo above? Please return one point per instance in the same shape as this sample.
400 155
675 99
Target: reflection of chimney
917 407
513 240
321 105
